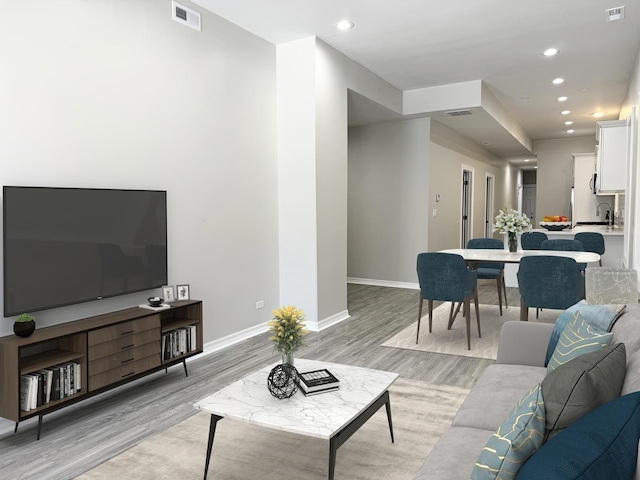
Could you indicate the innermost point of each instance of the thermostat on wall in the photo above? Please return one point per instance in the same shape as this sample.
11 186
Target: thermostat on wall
186 16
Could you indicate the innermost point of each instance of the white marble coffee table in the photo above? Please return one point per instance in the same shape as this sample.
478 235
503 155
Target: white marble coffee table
334 416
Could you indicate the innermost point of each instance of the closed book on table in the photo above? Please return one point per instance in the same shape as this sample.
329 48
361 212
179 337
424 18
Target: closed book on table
317 380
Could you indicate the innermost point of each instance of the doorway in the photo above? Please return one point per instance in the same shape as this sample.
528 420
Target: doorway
467 192
489 206
529 201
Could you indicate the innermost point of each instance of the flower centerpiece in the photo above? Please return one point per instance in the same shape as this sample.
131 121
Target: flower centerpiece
287 329
512 222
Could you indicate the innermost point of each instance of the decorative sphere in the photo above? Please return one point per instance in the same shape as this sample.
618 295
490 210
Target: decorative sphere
282 381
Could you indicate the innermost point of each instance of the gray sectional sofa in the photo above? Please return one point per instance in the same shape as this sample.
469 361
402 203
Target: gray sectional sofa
518 368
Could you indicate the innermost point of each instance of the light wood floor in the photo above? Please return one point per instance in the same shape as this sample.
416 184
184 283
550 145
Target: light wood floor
77 438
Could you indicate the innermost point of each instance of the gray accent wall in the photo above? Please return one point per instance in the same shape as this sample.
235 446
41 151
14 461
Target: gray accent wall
116 94
388 198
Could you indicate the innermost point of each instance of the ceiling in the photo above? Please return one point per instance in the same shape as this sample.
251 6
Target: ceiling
423 43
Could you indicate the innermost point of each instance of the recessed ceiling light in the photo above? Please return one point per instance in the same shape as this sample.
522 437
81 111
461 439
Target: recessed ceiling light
550 52
562 99
526 159
344 25
565 112
557 81
598 114
535 166
570 131
568 122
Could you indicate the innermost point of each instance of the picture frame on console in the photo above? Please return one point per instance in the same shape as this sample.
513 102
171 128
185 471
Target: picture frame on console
183 292
168 293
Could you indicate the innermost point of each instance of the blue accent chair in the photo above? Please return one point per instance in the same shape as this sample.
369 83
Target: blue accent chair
491 271
592 242
532 240
565 245
548 281
445 277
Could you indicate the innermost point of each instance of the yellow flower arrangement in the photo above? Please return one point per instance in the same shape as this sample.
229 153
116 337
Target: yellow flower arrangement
287 329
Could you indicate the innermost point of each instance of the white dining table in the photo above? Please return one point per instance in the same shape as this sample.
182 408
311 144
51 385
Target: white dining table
505 256
512 259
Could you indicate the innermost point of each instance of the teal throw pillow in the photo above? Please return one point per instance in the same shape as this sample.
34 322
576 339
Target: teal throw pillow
586 382
601 445
600 316
577 338
519 436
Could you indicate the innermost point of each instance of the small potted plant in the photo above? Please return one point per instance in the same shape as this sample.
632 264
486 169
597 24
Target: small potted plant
287 329
24 325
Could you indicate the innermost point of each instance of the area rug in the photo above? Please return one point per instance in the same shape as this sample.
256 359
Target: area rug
454 341
421 413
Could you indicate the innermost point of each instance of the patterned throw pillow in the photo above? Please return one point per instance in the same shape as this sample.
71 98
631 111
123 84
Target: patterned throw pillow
519 436
601 317
577 338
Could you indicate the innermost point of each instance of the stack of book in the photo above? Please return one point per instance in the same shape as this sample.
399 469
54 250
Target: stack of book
317 381
53 383
178 342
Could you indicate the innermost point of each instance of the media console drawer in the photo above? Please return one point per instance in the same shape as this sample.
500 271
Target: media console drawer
121 373
125 356
125 343
123 329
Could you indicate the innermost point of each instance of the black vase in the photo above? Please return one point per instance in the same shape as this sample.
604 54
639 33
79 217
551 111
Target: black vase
24 329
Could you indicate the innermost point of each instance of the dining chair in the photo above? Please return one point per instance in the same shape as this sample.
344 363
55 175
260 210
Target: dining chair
532 240
606 286
491 271
566 245
547 281
592 242
445 277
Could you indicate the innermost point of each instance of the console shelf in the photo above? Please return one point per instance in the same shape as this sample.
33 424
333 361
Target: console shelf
110 349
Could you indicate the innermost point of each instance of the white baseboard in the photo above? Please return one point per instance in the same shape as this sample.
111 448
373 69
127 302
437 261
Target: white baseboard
383 283
232 339
247 333
329 321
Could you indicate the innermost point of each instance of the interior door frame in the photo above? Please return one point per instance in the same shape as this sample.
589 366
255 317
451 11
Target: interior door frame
489 203
466 205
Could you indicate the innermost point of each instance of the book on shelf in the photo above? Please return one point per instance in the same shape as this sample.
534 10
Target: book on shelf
49 384
317 381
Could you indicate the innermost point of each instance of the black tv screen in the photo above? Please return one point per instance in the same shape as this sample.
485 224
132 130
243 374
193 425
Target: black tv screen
69 245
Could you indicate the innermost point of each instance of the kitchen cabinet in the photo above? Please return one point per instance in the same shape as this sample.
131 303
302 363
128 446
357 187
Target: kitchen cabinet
611 159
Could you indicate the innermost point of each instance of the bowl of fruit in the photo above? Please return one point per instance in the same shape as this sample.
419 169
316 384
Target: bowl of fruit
555 222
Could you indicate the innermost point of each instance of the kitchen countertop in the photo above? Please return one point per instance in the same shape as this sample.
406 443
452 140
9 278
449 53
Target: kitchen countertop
603 229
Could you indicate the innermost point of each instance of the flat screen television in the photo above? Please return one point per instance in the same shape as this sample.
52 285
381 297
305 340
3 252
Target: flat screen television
64 246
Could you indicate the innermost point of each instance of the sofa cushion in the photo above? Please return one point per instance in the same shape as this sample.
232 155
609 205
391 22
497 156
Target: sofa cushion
627 330
603 444
577 338
519 436
586 382
494 395
454 455
602 317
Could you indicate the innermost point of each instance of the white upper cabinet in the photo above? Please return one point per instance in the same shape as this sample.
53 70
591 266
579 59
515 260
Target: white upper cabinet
612 156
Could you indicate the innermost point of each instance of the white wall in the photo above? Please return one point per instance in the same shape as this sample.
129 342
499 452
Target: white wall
555 173
388 199
448 153
632 198
116 94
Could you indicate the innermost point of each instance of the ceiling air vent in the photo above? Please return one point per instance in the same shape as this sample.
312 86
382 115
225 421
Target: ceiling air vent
616 13
186 16
459 113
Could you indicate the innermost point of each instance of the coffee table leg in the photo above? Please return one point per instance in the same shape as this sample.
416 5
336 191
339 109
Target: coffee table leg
333 448
388 405
212 432
343 435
